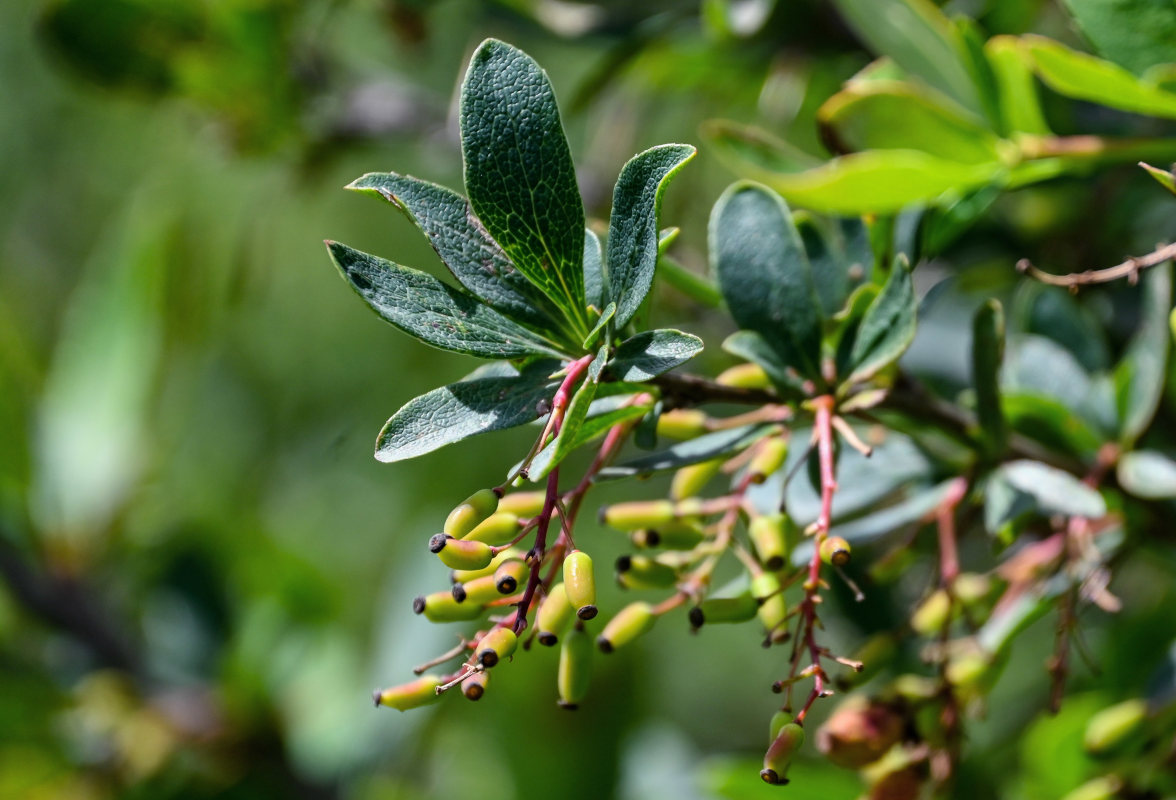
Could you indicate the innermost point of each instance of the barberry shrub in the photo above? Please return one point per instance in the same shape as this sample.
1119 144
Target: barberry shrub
824 308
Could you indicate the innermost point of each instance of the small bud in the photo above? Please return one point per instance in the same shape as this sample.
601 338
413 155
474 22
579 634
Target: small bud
575 668
522 504
780 753
443 607
413 694
474 686
769 457
460 554
772 536
682 423
467 515
835 551
580 584
715 610
555 612
1112 728
859 732
497 644
629 623
744 376
479 591
933 614
497 529
639 514
510 575
676 535
643 572
690 480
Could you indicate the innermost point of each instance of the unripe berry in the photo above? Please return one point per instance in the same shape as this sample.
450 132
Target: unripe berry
970 588
682 423
575 668
496 529
413 694
769 456
779 720
673 536
632 621
715 610
443 607
639 514
460 554
497 644
690 480
859 732
835 551
465 575
555 612
933 614
772 537
643 572
509 575
744 376
580 584
1104 787
522 504
1114 727
773 610
479 591
780 753
474 686
463 518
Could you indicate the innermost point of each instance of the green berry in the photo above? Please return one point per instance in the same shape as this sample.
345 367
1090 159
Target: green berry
497 529
744 376
629 623
479 591
413 694
443 607
835 551
643 572
769 457
466 516
673 536
772 536
779 720
1114 727
780 753
639 514
580 584
575 668
682 423
460 554
496 645
523 504
474 686
716 610
464 575
690 480
933 614
773 610
555 612
509 575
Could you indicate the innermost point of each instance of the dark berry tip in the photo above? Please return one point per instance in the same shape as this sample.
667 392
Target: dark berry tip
459 592
437 542
548 639
624 563
587 612
696 617
604 644
418 605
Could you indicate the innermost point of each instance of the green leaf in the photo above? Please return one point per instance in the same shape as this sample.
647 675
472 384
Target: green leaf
693 451
465 248
594 334
632 227
592 427
432 311
988 337
764 274
464 409
1051 490
888 326
888 115
745 149
839 254
519 174
650 353
694 286
593 270
1020 107
1086 77
1166 177
565 441
1139 376
878 181
1147 474
1136 34
1050 422
919 38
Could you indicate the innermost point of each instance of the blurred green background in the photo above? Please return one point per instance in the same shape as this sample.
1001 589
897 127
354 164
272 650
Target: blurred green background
205 570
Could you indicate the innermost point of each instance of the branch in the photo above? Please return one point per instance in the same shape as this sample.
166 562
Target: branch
689 390
1129 269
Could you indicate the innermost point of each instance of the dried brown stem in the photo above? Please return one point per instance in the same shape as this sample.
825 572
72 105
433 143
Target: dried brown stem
1129 269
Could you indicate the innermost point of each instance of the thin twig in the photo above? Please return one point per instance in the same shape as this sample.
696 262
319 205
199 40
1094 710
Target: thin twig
1129 269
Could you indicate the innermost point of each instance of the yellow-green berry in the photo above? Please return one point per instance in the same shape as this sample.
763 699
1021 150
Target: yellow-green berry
464 575
778 721
690 480
773 610
443 607
682 423
509 575
769 456
575 668
714 610
835 551
497 644
460 554
497 529
580 584
1114 727
638 514
780 753
629 623
555 612
672 536
522 504
474 686
933 614
744 376
772 536
479 591
466 516
413 694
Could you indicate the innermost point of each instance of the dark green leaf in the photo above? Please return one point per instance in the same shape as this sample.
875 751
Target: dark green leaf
593 270
519 173
1050 422
988 336
1055 313
1085 77
465 248
650 353
839 254
919 38
1147 474
1136 34
888 115
1020 107
704 448
632 228
461 410
432 311
764 274
748 150
888 326
1139 376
